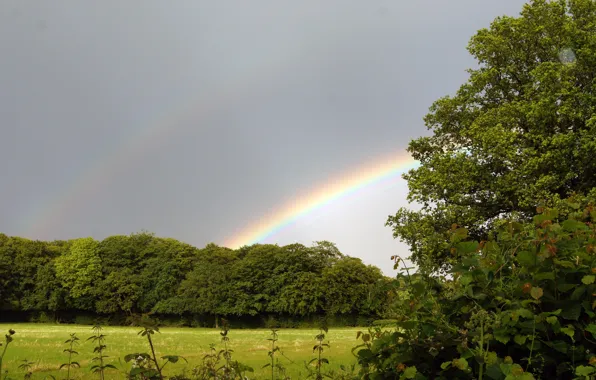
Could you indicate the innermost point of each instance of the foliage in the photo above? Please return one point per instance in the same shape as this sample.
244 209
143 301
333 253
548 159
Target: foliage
520 305
79 267
26 366
99 339
518 134
231 369
275 364
319 360
219 364
120 276
146 366
71 351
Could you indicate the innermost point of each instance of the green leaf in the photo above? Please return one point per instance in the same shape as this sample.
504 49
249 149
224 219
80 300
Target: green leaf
564 263
173 358
136 371
460 363
589 279
459 234
526 258
552 319
544 276
410 372
520 339
578 293
491 358
494 372
536 292
572 311
490 275
525 313
445 365
526 376
591 328
559 345
584 370
565 287
365 354
467 247
569 331
506 369
573 225
502 335
466 279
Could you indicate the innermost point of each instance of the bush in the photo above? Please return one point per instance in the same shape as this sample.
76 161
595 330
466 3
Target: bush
518 306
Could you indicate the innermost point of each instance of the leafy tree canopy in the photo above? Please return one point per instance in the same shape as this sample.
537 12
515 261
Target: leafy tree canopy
520 133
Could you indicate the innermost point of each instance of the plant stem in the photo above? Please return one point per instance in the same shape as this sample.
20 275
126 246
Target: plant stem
272 360
481 370
319 361
153 353
101 375
69 359
532 345
2 357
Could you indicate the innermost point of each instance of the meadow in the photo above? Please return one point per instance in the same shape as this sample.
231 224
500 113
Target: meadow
43 344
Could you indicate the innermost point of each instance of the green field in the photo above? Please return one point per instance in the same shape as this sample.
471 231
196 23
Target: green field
43 344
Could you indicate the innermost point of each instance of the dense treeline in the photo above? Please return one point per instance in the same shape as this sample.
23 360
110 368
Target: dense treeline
125 275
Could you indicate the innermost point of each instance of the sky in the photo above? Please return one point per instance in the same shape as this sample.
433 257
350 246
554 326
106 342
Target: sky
197 120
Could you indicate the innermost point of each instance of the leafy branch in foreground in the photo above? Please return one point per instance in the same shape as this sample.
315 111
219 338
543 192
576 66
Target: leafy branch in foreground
70 350
520 305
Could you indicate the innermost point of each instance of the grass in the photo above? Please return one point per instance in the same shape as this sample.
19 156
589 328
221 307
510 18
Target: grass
43 344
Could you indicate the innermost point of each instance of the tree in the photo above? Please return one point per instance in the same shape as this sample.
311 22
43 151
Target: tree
7 280
119 291
519 306
520 133
79 269
349 285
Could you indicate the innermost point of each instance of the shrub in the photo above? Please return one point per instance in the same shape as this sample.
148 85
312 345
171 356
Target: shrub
518 306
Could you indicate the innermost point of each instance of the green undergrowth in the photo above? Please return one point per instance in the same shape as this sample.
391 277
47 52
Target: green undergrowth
520 305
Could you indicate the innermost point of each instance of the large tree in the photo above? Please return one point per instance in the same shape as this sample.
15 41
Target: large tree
520 133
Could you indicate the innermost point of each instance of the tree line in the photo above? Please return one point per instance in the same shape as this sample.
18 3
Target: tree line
140 273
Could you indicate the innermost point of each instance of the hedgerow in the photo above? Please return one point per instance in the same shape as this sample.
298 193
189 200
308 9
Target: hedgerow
519 305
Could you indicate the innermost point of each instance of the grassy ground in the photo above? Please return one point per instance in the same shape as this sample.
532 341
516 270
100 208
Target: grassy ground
44 344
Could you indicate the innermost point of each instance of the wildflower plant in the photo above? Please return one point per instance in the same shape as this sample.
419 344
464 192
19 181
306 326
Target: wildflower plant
99 339
70 350
7 340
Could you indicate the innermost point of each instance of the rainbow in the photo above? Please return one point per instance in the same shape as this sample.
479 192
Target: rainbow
349 183
261 80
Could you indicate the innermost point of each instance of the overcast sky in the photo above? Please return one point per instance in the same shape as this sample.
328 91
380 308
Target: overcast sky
194 119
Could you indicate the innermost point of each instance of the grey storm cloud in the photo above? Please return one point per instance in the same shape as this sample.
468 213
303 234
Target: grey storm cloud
194 119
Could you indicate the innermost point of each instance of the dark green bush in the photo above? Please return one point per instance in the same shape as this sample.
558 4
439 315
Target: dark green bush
518 306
